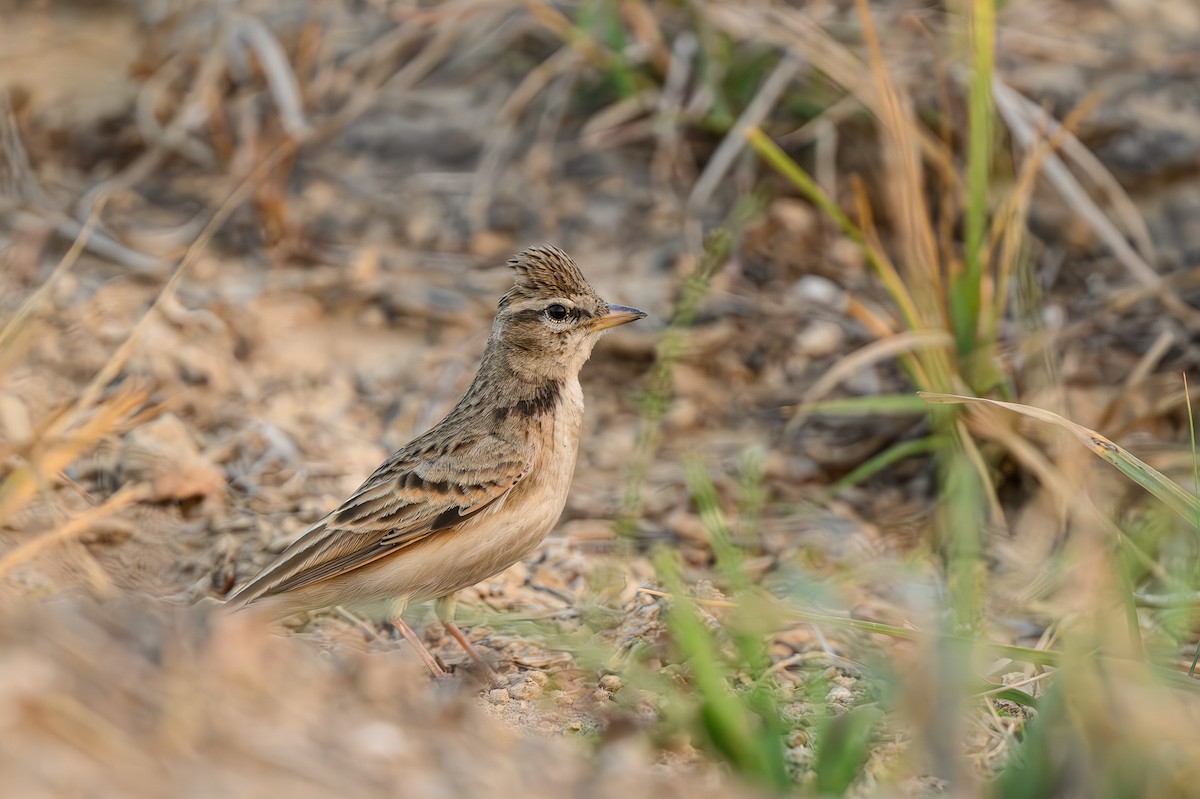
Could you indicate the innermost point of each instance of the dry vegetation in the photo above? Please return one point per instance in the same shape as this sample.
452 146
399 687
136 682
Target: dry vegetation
247 249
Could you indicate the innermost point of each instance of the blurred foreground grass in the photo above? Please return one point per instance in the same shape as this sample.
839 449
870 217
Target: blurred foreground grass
1101 706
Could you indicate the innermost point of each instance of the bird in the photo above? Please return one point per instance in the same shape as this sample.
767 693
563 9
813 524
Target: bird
479 490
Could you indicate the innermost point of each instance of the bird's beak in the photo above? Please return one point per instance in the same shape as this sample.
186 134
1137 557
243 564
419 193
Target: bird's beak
617 315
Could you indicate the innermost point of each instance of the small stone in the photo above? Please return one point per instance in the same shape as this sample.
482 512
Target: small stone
563 699
688 527
684 414
14 419
821 291
380 739
373 318
525 689
797 738
1054 316
601 695
864 382
425 220
846 254
795 216
610 683
820 339
839 695
801 756
498 696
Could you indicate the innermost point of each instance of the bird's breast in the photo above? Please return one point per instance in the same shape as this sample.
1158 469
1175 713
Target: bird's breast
549 480
517 524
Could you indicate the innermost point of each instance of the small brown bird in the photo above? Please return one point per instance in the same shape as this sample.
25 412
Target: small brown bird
481 488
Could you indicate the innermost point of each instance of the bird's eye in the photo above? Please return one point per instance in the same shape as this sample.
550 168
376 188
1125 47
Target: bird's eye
556 312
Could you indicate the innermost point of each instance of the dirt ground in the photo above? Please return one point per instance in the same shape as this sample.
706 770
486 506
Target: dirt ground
341 309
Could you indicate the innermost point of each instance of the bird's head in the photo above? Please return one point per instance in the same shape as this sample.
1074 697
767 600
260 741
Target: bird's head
551 318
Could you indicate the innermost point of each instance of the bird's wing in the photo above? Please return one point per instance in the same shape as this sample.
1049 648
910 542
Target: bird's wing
422 489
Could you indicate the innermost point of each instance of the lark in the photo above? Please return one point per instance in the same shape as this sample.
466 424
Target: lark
478 491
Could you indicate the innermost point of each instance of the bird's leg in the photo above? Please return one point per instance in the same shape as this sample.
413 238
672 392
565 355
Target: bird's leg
416 643
444 608
413 640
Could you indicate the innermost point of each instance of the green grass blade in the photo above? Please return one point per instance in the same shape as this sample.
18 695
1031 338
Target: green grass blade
739 728
770 152
708 505
1014 695
966 288
843 747
1032 771
1166 490
879 462
876 405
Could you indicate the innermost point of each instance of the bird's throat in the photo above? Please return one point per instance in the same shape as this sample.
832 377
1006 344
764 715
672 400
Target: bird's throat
535 400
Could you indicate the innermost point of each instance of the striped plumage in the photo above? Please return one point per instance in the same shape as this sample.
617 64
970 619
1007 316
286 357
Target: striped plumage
483 486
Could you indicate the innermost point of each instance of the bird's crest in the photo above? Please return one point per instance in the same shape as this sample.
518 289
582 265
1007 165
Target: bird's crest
545 271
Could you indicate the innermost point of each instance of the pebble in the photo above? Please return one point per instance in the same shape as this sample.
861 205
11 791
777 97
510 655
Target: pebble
821 291
14 419
562 698
839 695
802 756
525 689
795 216
498 696
610 683
821 338
689 527
684 414
846 254
380 739
864 381
797 738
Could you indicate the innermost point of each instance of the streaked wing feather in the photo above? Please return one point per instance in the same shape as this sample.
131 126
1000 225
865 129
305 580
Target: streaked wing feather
413 495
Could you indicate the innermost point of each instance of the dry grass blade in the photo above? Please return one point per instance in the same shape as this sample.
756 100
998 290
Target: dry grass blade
1066 492
72 529
646 32
1166 490
874 253
1094 168
764 100
280 78
25 313
798 33
1145 366
898 344
26 195
116 362
171 137
1009 224
61 447
906 186
500 142
1020 122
